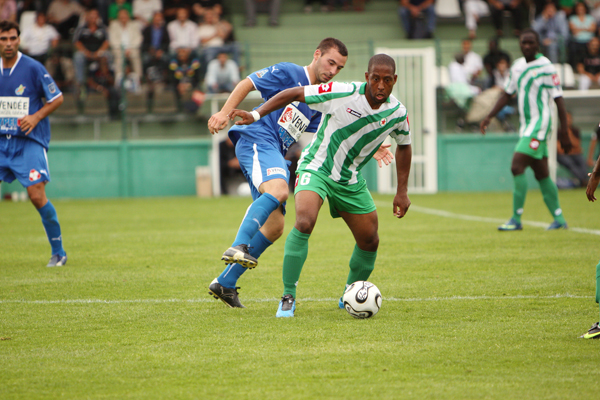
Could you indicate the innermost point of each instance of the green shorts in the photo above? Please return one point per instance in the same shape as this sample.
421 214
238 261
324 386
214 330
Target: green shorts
532 147
353 199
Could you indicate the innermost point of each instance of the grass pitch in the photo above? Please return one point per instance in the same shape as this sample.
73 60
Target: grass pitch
468 312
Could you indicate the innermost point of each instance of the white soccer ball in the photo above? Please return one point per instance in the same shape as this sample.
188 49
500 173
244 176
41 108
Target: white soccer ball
362 299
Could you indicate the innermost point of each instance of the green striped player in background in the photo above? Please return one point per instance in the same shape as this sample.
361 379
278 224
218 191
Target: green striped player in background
357 118
534 80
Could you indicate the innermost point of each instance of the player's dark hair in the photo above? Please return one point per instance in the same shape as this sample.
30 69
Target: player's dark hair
332 43
6 26
381 59
533 32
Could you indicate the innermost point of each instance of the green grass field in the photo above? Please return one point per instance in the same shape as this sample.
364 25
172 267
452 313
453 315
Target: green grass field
468 312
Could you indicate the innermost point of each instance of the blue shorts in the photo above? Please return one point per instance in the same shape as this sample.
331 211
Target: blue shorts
261 162
23 159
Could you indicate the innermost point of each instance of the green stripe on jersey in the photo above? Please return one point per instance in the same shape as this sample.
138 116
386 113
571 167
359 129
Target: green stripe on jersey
320 98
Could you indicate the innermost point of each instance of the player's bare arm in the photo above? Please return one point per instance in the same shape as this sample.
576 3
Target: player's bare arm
29 122
219 120
563 134
502 101
403 162
276 102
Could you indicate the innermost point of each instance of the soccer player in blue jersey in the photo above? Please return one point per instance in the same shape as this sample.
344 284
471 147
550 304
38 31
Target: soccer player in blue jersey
25 129
260 149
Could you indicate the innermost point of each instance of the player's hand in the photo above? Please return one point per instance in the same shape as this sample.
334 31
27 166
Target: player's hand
591 187
217 122
401 204
484 124
565 141
28 123
246 117
383 154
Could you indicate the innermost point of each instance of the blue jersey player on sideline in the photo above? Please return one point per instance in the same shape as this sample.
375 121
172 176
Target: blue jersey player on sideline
25 129
260 149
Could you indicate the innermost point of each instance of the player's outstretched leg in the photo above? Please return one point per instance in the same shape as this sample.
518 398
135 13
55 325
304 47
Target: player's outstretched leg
550 195
53 232
519 194
226 295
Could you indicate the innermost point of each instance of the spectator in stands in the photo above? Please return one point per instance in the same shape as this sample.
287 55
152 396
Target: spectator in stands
125 38
594 6
143 10
460 89
574 160
8 10
39 39
474 9
91 44
213 37
270 7
490 60
222 74
155 47
229 165
473 62
497 8
118 5
553 28
182 32
184 79
583 28
200 7
588 66
64 16
567 5
171 7
411 10
102 81
308 5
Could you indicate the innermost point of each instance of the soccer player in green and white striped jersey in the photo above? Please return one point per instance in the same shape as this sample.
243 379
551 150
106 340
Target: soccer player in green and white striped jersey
357 118
534 80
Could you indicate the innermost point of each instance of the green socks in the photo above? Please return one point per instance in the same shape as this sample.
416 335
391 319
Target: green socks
362 264
519 194
294 256
550 194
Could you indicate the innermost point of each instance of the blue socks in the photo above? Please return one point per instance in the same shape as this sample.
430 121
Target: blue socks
52 227
232 272
256 216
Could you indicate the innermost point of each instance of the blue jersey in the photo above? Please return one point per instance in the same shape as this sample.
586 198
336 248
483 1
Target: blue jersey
22 89
283 127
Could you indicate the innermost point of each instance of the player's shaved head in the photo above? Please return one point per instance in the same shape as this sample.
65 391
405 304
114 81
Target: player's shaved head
381 59
332 43
6 26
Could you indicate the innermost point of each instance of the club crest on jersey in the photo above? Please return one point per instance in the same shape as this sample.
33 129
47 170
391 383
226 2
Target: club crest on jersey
34 175
383 122
352 112
20 90
276 171
534 144
325 87
262 73
555 80
52 88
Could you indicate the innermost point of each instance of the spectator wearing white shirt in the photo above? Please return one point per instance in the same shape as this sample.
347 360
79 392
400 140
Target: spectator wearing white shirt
143 10
182 32
213 35
473 62
222 74
39 38
125 39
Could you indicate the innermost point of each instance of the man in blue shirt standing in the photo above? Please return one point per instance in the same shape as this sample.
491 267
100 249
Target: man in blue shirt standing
25 129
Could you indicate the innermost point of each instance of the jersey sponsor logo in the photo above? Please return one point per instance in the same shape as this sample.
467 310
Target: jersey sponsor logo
534 144
52 88
292 124
14 107
276 171
20 90
325 87
555 80
352 112
34 175
262 73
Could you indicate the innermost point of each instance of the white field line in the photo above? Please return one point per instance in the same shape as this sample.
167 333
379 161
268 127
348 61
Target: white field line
306 299
464 217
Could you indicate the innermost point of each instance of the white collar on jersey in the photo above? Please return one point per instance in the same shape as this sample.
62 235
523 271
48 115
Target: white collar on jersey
307 76
19 54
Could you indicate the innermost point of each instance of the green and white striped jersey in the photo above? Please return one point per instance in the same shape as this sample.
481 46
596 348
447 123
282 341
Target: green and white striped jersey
350 131
536 84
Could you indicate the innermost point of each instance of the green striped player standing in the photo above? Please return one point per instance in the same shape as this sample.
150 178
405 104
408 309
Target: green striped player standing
534 80
357 118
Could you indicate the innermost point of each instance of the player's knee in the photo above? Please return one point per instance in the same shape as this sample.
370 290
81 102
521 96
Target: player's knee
369 243
304 224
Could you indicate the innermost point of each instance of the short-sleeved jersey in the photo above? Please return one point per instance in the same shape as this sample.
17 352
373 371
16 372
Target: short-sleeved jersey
350 131
283 127
22 89
536 83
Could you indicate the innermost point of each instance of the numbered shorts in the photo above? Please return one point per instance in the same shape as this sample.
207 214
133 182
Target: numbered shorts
532 147
353 199
261 162
23 159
